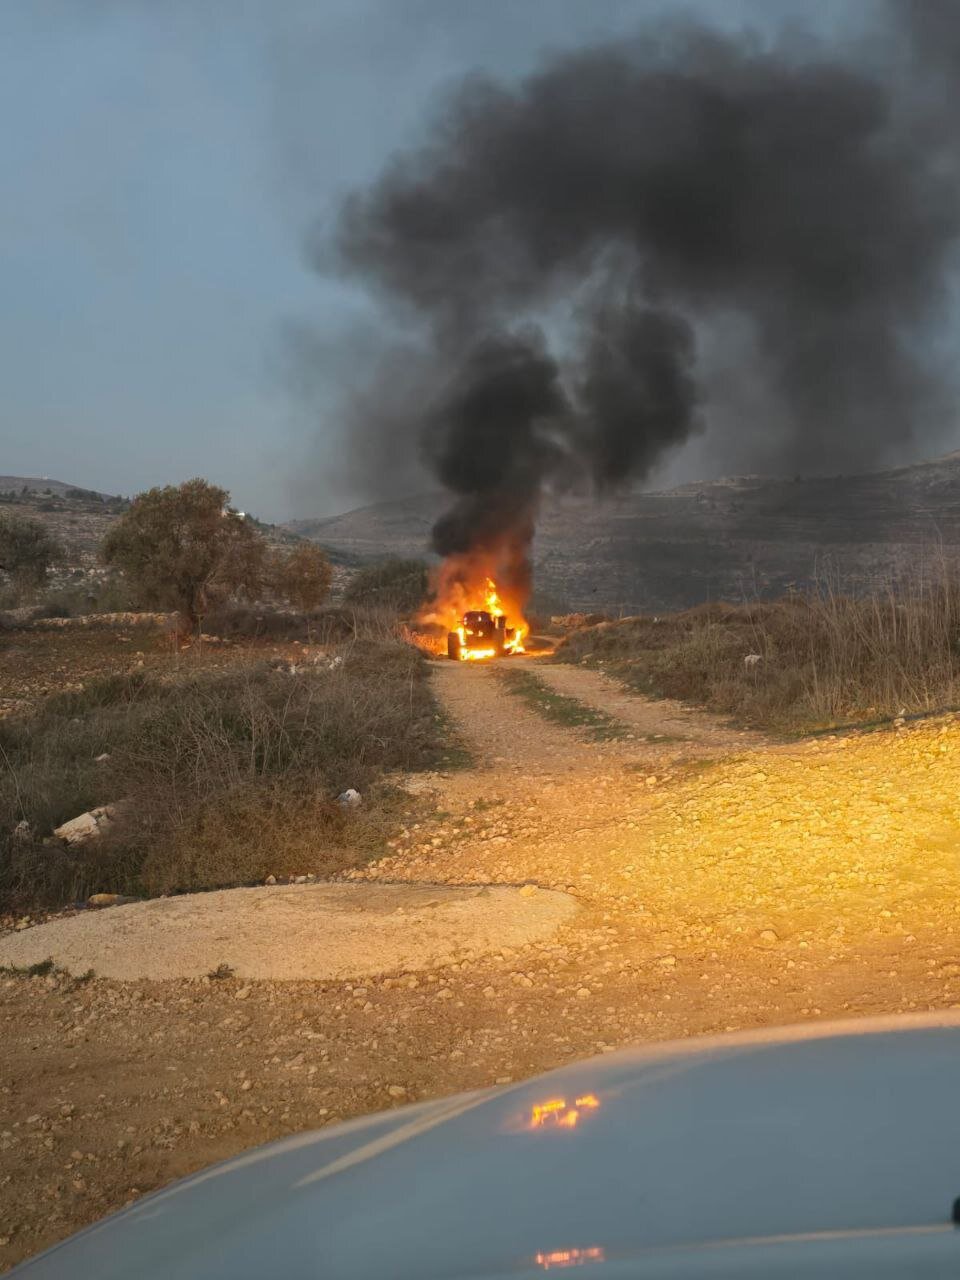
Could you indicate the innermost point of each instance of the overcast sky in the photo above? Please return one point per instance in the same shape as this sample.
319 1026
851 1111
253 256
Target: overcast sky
161 165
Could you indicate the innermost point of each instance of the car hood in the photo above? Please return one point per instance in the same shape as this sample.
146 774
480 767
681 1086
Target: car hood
834 1144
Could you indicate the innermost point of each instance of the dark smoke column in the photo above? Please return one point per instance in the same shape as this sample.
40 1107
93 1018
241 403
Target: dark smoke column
486 441
635 198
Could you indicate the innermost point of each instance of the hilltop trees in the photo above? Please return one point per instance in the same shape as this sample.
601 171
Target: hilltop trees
392 584
182 547
27 551
302 576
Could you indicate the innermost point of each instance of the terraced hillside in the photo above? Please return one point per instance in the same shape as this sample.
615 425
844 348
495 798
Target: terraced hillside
745 536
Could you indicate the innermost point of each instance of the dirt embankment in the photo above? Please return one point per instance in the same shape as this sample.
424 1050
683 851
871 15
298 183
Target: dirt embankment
721 883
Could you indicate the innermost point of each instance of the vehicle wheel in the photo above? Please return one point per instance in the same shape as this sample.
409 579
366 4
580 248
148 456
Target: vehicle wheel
453 646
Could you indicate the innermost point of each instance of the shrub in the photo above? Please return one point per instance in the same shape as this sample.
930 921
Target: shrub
302 576
231 776
398 585
115 595
27 551
825 658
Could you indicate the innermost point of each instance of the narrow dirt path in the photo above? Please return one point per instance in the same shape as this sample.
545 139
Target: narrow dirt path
721 884
663 722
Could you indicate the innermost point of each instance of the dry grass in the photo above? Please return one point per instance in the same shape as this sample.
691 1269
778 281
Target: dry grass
232 775
825 659
561 708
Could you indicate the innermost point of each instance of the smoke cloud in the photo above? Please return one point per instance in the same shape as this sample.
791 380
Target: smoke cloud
559 246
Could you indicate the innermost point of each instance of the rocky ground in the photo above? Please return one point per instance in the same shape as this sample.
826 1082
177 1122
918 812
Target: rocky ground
723 883
59 655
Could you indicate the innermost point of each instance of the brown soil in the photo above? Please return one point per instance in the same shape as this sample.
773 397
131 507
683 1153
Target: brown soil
722 884
61 655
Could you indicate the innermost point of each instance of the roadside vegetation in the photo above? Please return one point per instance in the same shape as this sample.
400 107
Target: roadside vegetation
803 663
226 775
397 585
221 746
27 552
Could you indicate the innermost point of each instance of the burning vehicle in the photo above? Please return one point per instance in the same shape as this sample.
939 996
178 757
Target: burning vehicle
467 618
481 635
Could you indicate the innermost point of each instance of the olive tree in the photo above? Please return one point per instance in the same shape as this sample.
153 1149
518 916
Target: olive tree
182 547
27 551
391 584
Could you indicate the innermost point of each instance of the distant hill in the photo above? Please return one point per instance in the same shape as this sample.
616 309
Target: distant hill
43 485
729 539
79 518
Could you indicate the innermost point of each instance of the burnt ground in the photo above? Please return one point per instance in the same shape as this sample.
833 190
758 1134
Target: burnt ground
724 883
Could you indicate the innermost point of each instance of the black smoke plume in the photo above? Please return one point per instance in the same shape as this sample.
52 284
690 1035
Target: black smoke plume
628 200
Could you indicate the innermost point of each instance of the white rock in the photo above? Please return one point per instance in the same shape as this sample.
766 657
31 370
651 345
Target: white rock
350 799
23 830
752 660
88 826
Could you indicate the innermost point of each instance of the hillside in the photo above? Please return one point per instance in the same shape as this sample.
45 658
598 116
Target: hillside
78 518
727 539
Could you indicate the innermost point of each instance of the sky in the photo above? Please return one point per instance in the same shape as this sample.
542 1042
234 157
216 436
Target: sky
162 165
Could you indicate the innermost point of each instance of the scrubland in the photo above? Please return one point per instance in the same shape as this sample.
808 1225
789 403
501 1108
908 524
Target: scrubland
803 663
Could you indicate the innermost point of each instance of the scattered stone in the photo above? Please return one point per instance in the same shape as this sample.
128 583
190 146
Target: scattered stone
668 961
396 1091
102 758
23 830
350 799
528 890
108 900
584 993
243 993
769 935
91 825
270 880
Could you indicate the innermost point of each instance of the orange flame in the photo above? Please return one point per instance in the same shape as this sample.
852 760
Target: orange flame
569 1257
467 583
557 1113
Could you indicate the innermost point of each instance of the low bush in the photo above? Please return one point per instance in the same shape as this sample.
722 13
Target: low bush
76 600
328 626
230 776
399 586
823 659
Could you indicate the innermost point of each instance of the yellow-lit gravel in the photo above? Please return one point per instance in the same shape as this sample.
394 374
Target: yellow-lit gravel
849 838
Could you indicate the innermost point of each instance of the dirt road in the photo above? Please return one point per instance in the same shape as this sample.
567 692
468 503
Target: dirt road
723 883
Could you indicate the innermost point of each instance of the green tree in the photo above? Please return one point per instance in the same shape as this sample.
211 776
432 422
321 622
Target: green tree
392 584
302 576
27 551
182 547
